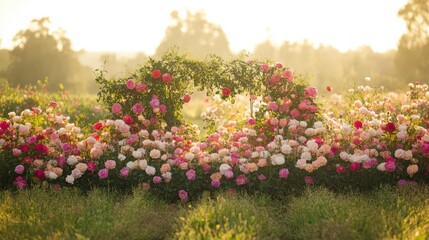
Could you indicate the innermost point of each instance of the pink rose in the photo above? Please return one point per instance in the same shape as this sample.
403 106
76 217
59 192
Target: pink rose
186 98
354 166
183 195
157 179
191 175
251 121
341 169
226 91
103 173
116 108
284 173
264 67
310 92
16 152
262 177
154 103
110 164
91 166
141 87
241 180
272 106
39 174
390 166
137 108
20 182
130 84
19 169
166 77
279 65
288 74
370 163
294 113
215 183
156 73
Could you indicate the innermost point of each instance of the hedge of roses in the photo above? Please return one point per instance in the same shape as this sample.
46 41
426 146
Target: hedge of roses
283 143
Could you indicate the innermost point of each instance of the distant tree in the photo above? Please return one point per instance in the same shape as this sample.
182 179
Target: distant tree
40 53
265 50
194 35
412 59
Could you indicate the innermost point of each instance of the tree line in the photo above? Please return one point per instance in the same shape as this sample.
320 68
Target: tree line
41 52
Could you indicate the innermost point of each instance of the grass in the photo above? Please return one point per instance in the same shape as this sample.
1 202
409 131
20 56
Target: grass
317 213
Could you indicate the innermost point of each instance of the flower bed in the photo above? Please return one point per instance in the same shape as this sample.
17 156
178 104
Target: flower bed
281 144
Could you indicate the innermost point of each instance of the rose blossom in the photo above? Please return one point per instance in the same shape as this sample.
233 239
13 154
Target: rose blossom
150 170
191 174
137 108
103 173
124 172
412 169
116 108
310 92
156 73
215 183
241 180
284 173
19 169
226 92
110 164
166 77
20 182
130 84
183 195
157 179
186 98
141 87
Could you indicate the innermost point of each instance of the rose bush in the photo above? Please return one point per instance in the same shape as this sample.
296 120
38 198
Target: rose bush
282 142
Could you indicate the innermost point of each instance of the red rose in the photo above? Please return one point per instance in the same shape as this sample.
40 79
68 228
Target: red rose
358 124
98 126
128 119
186 98
390 127
226 92
166 77
156 73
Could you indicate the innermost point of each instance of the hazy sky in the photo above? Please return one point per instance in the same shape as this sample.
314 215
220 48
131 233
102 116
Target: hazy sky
132 25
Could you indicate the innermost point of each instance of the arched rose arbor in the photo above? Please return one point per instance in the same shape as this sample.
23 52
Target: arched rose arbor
281 147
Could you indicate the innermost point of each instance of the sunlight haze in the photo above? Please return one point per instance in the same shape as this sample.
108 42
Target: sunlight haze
129 26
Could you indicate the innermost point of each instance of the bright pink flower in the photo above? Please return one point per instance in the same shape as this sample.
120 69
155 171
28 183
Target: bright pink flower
137 108
424 147
162 108
16 152
370 163
284 173
166 77
154 103
341 169
241 180
141 87
157 179
264 67
41 148
39 174
215 183
183 195
251 121
97 126
20 182
390 166
124 172
91 166
4 125
279 65
156 73
19 169
354 166
103 173
358 124
116 108
229 174
191 174
186 98
356 141
130 84
226 91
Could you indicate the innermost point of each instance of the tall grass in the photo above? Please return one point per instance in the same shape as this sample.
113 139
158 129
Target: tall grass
386 213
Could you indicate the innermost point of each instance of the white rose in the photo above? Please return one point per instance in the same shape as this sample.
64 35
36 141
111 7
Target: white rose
189 156
143 164
121 157
70 179
224 167
278 159
150 170
306 156
382 167
72 160
131 165
137 154
286 149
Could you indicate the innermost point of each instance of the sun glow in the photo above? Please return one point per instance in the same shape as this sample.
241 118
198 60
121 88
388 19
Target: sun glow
140 25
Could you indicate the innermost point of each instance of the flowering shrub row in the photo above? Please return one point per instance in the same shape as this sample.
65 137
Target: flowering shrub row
281 144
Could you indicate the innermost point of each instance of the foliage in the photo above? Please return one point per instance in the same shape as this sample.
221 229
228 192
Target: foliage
413 49
194 35
41 53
